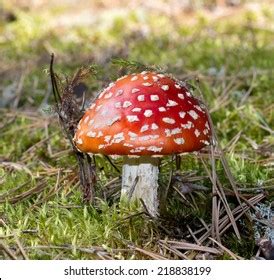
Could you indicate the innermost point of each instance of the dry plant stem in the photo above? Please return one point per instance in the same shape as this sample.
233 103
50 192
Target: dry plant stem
14 199
189 246
234 256
219 150
174 251
241 209
225 222
140 180
6 249
214 178
221 194
215 230
193 235
20 246
152 255
69 114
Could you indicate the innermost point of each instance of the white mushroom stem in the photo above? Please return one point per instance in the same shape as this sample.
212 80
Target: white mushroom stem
140 180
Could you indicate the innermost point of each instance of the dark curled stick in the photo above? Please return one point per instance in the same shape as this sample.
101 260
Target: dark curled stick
69 114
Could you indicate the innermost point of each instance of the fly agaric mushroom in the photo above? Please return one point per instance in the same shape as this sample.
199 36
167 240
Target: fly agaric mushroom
142 117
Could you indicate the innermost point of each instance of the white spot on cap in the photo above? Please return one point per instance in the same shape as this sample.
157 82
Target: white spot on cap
98 108
118 105
121 78
161 75
92 106
79 141
90 123
146 78
136 110
107 138
204 142
78 126
135 150
154 126
188 125
148 113
193 114
205 131
110 85
154 97
155 79
154 149
108 95
179 141
177 86
134 90
100 134
119 92
207 125
144 128
141 97
134 78
91 134
181 96
176 130
127 104
132 118
155 136
169 120
197 133
86 119
119 137
148 137
144 138
127 145
188 94
182 114
101 94
104 112
147 84
113 120
101 146
171 103
132 134
144 72
165 87
162 109
170 132
198 108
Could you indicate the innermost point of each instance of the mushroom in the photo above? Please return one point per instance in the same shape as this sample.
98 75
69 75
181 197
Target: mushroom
142 117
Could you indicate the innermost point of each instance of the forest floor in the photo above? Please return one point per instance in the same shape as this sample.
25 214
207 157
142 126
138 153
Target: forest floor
226 53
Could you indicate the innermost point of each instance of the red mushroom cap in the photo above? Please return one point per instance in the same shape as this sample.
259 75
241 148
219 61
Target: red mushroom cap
143 114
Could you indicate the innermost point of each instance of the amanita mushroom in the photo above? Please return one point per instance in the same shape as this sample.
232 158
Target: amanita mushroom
142 117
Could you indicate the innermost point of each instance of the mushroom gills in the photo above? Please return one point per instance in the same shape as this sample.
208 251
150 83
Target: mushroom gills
140 180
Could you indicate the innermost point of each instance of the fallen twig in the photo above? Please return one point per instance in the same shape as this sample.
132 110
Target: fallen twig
69 114
7 250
